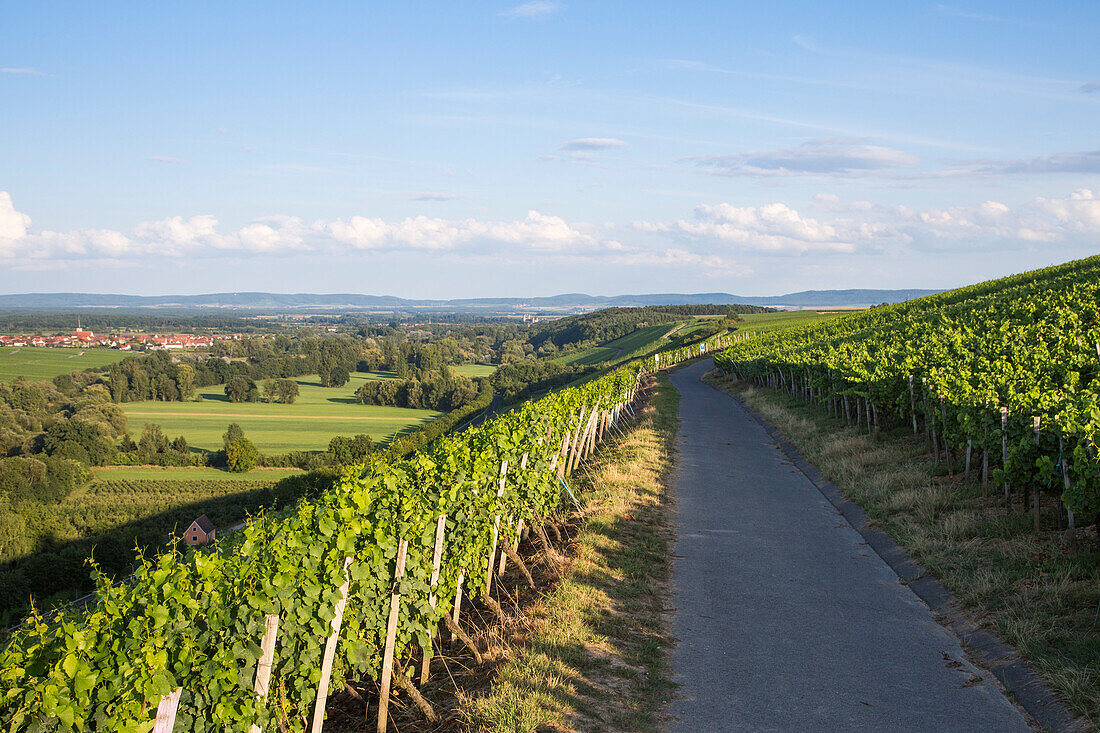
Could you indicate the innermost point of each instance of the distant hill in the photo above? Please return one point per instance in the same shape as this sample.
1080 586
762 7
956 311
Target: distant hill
353 301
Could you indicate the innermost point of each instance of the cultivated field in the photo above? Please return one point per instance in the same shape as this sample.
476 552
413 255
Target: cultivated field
316 416
38 364
475 370
761 322
644 339
189 473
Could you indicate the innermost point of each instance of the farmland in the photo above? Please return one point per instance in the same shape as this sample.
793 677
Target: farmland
646 338
764 322
124 508
473 371
42 363
316 416
188 473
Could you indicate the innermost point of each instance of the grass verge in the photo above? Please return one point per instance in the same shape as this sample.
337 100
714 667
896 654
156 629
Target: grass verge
592 654
1021 586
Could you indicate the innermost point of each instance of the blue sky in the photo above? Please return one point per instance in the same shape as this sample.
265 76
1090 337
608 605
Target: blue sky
452 150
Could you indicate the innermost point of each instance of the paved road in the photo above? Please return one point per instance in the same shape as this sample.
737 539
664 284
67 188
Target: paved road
785 619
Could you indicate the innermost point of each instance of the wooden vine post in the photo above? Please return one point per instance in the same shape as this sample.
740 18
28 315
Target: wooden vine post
969 450
457 610
590 436
166 711
574 441
267 659
935 437
519 525
985 453
1070 536
330 653
946 445
391 639
437 564
1036 506
927 426
496 531
559 464
1004 453
913 404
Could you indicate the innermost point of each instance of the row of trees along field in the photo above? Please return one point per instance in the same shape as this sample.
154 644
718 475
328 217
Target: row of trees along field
159 376
1004 375
162 376
339 587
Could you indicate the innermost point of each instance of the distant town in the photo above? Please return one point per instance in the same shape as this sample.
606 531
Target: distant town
83 339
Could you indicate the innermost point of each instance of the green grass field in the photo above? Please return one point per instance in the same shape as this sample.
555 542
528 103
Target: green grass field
761 322
644 339
189 473
316 416
476 370
38 364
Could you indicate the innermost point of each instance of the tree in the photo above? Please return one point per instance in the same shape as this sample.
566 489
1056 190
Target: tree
15 540
185 381
232 433
287 389
166 388
280 390
48 480
153 441
334 375
82 441
241 455
118 383
241 389
348 450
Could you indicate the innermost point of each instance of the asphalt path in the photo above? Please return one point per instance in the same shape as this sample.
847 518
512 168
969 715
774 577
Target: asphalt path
785 619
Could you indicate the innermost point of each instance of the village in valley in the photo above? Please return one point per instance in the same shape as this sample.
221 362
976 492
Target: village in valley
81 338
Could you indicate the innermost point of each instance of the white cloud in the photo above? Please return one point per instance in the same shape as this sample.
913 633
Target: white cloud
179 231
432 196
1083 162
536 233
584 144
585 150
775 228
272 235
165 159
13 225
826 156
24 71
533 9
718 237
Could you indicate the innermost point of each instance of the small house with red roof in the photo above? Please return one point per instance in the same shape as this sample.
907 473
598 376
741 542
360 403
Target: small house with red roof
200 532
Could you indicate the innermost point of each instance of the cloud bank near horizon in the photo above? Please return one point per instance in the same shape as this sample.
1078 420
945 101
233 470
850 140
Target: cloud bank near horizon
722 237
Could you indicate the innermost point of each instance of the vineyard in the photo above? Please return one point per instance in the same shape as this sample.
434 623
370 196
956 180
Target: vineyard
122 510
256 631
1002 378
